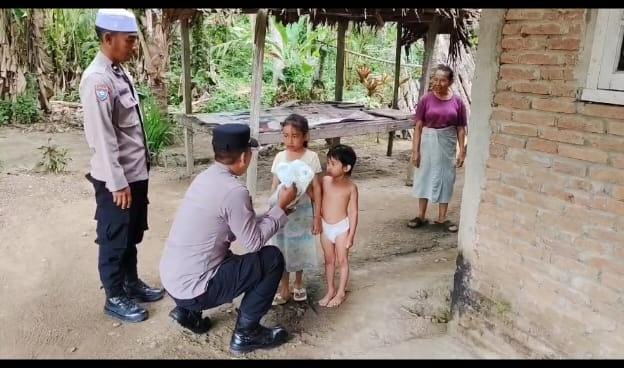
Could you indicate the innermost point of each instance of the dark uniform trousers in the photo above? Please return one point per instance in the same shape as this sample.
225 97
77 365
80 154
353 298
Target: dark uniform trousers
256 274
118 233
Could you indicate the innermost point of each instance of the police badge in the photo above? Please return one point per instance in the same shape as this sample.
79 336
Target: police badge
101 91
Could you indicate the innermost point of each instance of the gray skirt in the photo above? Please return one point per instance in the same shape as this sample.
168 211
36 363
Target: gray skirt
435 178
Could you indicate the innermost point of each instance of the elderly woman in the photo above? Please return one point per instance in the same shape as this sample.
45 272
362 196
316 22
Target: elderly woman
440 123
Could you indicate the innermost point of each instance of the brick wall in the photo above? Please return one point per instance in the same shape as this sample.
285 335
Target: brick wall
548 275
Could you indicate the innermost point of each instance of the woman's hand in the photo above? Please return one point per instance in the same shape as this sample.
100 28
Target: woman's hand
416 158
461 158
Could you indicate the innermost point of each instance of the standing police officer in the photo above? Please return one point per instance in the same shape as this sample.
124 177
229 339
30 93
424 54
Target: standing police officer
197 267
113 127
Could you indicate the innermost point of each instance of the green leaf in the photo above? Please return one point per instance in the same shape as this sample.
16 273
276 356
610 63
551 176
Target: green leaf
282 31
20 13
307 68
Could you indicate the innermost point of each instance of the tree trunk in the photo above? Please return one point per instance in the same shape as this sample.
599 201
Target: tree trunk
408 91
13 51
156 31
39 62
318 88
22 50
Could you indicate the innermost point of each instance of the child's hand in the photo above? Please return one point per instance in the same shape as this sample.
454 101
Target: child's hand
349 243
316 226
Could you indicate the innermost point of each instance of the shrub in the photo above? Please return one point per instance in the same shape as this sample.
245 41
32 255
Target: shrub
54 159
25 108
6 111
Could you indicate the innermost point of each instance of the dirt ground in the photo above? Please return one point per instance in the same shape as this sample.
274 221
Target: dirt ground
398 299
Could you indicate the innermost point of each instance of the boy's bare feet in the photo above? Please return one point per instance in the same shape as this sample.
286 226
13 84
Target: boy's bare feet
329 296
337 299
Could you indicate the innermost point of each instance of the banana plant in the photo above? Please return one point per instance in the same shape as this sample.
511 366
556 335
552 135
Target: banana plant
71 43
294 51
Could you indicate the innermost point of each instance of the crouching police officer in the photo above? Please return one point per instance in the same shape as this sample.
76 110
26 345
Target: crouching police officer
119 165
197 267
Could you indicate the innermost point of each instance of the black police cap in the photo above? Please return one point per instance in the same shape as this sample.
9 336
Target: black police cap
232 137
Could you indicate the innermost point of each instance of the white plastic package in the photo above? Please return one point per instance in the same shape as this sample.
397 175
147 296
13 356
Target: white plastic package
297 172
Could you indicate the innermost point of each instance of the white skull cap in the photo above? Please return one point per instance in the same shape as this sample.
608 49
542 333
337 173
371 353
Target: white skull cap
116 20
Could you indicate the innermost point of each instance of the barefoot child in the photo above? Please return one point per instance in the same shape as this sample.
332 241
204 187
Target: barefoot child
339 220
297 239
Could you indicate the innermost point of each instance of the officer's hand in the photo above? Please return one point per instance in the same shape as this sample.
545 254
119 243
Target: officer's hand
286 196
123 198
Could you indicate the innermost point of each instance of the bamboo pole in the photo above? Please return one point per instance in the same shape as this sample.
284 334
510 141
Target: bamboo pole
397 77
256 95
340 66
186 94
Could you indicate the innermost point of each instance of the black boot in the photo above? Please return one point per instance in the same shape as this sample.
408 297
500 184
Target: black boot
190 319
142 292
250 335
125 309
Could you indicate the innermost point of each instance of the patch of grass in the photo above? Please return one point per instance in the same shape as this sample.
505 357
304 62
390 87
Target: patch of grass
443 316
501 307
54 159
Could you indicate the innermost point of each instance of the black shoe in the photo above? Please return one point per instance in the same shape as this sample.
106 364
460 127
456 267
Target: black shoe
260 337
125 309
190 319
142 292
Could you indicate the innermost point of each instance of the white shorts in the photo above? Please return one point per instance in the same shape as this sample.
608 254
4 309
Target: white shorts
332 231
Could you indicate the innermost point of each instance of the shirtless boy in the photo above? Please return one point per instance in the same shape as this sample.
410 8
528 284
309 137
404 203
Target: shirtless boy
339 211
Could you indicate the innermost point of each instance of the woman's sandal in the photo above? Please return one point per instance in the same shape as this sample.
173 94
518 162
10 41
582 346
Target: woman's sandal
417 222
447 225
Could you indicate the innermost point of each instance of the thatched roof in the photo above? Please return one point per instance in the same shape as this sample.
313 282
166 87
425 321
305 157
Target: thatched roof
181 13
457 22
415 22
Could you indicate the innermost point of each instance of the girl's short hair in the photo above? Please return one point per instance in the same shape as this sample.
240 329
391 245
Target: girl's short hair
298 122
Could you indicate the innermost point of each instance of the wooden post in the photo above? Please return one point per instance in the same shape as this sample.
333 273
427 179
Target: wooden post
430 42
186 94
256 94
340 65
340 59
397 79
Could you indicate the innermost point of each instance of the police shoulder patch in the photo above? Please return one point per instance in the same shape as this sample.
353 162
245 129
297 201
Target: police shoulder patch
102 92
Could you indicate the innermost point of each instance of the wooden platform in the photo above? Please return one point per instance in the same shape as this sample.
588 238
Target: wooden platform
326 119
